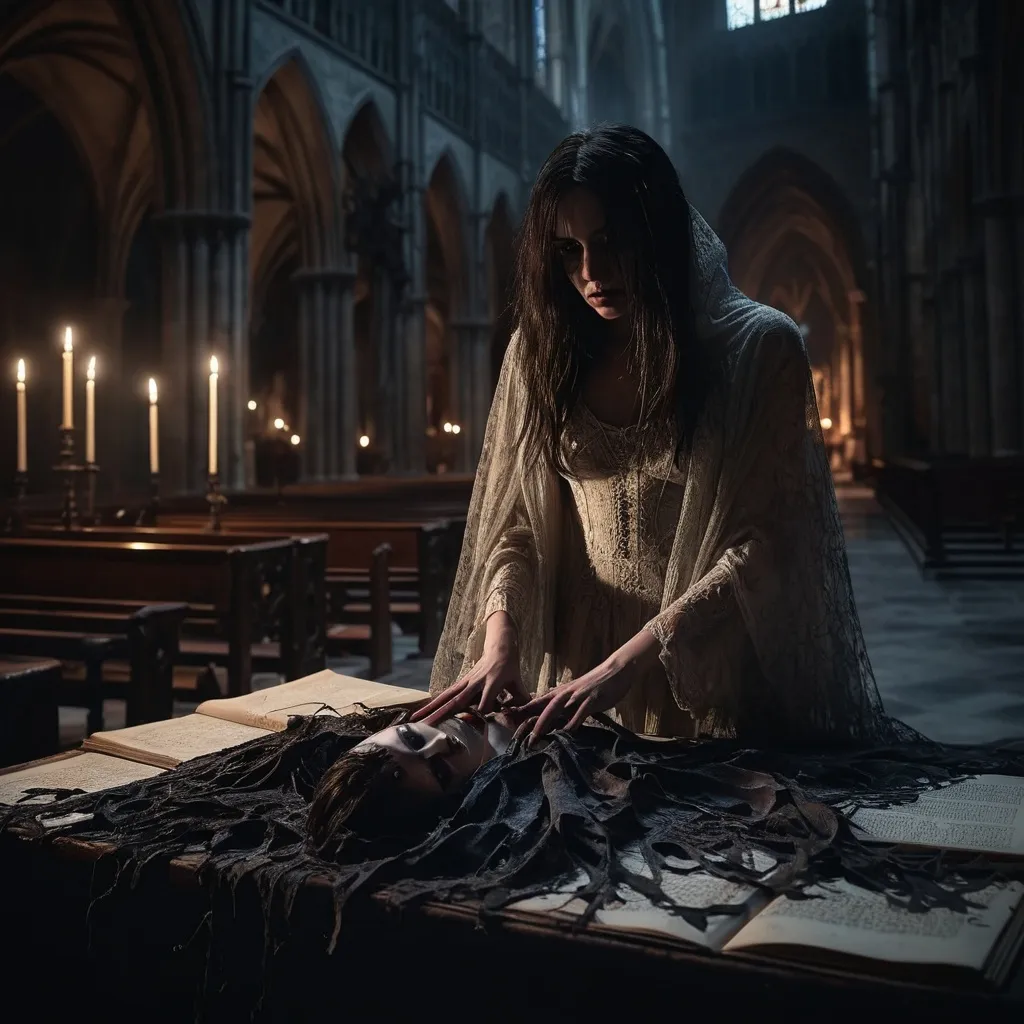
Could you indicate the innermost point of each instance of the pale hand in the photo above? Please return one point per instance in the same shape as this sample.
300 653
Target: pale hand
598 690
496 672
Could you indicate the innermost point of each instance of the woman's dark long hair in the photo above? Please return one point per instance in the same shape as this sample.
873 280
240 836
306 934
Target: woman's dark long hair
648 222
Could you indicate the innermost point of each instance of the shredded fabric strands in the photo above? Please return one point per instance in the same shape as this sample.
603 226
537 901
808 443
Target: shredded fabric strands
530 823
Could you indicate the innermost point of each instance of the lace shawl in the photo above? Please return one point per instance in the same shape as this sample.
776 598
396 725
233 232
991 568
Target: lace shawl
759 544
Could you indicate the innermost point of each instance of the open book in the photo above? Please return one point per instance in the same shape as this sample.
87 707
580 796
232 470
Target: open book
229 722
88 773
983 814
323 693
836 925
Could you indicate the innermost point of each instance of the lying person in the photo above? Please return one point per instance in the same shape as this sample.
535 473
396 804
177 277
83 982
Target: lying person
402 778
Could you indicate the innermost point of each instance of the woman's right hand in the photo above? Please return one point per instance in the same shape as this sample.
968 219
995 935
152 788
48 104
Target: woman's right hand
496 672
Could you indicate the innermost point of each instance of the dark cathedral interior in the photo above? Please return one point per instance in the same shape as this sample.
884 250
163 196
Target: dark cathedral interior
257 283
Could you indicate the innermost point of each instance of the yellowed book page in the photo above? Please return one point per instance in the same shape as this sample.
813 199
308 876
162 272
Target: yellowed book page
985 813
324 693
87 772
167 744
634 912
857 922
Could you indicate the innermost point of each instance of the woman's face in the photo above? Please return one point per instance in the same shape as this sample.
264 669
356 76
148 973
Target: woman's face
581 241
435 760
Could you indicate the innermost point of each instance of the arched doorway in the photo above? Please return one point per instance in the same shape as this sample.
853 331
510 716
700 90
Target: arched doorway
294 240
794 244
102 122
374 234
446 217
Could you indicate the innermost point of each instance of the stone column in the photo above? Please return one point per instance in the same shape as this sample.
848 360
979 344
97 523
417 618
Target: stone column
114 390
1003 363
952 390
845 390
185 329
328 403
411 401
343 380
979 438
382 347
856 298
229 341
410 329
313 421
473 348
1019 289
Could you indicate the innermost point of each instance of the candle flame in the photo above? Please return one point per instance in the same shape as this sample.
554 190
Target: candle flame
214 365
21 371
152 391
67 339
91 372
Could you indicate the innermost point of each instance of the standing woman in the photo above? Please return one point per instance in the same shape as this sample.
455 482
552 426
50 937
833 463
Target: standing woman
653 530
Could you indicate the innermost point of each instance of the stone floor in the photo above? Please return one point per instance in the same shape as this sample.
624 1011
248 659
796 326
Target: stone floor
948 656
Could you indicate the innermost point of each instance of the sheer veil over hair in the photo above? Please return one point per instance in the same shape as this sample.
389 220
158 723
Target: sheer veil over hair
759 506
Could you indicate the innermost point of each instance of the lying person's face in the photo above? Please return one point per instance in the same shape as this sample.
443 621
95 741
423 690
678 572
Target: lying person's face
434 760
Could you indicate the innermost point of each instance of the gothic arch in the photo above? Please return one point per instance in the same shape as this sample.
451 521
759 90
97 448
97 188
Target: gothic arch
447 256
626 71
370 198
294 169
367 145
129 86
447 210
110 121
295 228
793 243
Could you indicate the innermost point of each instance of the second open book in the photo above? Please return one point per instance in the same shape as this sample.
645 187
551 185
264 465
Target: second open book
230 721
846 926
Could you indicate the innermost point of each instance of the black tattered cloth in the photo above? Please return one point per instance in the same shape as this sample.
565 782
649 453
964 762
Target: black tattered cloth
533 822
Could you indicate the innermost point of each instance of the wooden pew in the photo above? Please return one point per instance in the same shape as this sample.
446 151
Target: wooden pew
289 624
424 556
146 639
251 589
372 637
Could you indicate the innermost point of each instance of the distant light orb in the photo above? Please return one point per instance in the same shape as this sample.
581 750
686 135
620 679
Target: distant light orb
295 438
252 405
826 423
279 423
364 441
447 428
456 428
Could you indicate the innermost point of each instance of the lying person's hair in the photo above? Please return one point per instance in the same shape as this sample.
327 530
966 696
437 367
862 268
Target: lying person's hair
359 795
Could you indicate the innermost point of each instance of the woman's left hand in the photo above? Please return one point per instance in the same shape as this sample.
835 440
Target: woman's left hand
598 690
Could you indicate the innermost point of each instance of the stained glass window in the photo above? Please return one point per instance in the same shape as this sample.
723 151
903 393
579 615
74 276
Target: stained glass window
774 9
746 12
540 34
740 12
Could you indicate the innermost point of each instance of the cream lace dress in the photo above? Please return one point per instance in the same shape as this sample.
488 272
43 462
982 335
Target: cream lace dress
622 516
751 601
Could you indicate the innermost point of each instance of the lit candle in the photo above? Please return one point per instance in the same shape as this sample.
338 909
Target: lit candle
90 411
22 436
154 430
213 415
69 381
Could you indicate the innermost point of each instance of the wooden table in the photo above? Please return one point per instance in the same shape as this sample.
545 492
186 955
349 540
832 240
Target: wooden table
28 707
148 955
